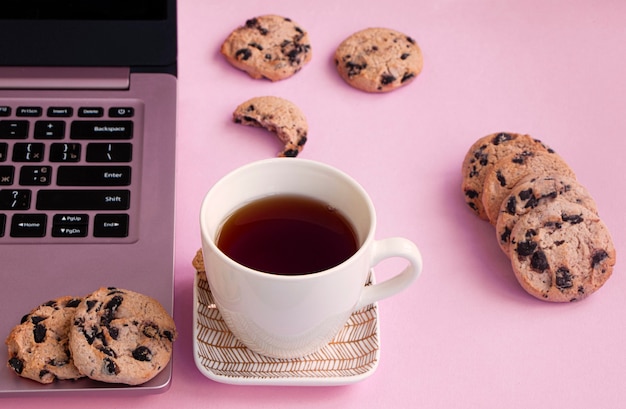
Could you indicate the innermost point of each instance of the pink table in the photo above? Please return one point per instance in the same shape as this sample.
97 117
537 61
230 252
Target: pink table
465 335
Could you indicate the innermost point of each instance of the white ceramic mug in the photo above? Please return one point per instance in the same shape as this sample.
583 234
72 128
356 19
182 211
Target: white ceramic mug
290 316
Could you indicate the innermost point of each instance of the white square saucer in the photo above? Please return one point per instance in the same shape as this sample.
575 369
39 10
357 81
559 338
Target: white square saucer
350 357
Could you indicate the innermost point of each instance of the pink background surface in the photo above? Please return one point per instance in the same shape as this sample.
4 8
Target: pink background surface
466 334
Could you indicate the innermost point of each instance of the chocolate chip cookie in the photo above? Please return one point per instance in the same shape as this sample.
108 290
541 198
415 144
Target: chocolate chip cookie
270 46
535 191
378 60
120 336
509 170
481 157
198 261
561 251
38 346
279 116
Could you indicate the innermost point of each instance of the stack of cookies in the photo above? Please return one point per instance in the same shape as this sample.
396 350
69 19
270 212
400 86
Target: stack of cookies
545 220
111 335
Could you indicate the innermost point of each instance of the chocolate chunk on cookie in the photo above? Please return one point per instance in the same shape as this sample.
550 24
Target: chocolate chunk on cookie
38 346
481 157
378 60
508 171
561 251
270 46
120 336
279 116
535 191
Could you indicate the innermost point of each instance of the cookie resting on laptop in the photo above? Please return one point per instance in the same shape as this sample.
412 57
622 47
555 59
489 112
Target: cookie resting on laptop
120 336
38 346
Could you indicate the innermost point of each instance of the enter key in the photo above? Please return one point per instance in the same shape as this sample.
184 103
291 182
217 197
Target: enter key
93 175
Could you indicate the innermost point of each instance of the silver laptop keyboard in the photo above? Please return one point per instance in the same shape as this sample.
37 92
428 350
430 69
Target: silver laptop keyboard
66 170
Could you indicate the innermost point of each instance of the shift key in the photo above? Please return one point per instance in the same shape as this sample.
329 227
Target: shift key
83 200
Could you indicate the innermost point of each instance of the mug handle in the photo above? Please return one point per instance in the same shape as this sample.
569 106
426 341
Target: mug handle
387 248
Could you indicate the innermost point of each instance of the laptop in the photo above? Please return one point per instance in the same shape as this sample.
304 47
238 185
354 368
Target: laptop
87 160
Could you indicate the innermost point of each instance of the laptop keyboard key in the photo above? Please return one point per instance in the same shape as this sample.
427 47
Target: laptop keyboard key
17 199
13 129
109 152
101 130
65 152
90 112
4 148
28 111
28 225
121 112
70 225
110 225
49 130
83 199
28 152
93 176
70 219
60 112
35 175
6 175
3 222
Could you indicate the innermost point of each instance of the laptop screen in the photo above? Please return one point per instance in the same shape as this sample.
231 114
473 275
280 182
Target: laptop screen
84 9
135 33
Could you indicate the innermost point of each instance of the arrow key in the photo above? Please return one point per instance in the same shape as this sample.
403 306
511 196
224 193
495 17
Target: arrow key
70 225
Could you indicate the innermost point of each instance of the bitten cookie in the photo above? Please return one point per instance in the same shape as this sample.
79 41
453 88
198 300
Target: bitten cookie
535 191
270 46
561 252
120 336
38 346
279 116
378 60
508 171
481 157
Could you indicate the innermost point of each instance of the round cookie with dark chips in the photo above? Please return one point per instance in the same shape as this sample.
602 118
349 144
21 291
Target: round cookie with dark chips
270 46
120 336
38 346
561 252
508 171
378 60
481 157
535 191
